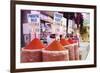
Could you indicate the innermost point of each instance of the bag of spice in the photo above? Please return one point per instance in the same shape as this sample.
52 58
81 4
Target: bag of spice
65 44
32 52
74 51
71 49
55 52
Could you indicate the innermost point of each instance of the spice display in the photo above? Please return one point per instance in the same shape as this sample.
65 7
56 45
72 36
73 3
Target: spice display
53 35
55 52
33 51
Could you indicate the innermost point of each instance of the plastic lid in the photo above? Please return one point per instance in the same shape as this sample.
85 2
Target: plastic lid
35 44
55 46
64 42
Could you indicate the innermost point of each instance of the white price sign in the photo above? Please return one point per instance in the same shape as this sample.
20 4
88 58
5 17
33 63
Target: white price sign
57 23
58 17
33 18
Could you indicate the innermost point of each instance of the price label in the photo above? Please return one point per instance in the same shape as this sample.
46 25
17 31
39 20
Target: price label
57 18
57 22
33 18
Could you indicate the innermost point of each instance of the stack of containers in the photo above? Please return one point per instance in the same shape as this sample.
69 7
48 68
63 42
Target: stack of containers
32 52
55 52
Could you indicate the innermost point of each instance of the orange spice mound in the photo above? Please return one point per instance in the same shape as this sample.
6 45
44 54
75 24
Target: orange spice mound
35 44
64 42
55 46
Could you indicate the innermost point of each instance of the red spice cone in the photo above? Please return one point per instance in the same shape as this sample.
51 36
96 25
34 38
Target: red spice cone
64 42
35 44
32 52
55 46
55 52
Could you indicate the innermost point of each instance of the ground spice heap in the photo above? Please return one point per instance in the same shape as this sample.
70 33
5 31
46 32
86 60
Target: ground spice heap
71 41
64 42
35 44
55 46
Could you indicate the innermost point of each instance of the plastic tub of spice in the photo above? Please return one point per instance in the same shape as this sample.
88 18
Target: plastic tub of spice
55 52
32 52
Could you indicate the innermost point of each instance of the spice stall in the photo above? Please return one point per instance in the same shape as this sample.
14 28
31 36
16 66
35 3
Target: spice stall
41 45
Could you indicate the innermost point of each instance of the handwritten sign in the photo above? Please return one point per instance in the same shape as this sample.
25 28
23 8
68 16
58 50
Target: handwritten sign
58 18
33 18
57 23
34 21
64 28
